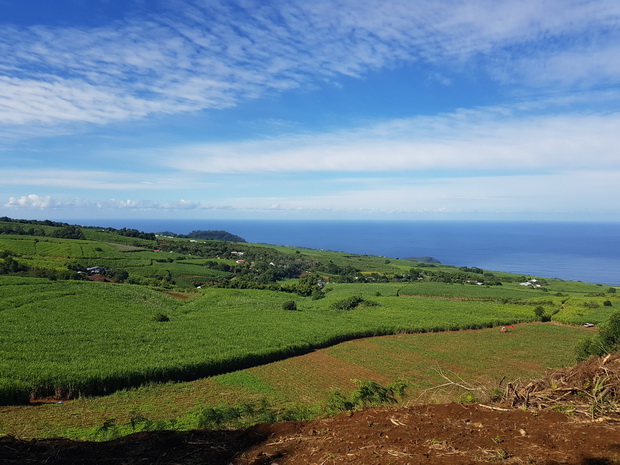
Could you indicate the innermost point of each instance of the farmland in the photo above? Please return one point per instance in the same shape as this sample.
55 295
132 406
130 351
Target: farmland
310 379
180 310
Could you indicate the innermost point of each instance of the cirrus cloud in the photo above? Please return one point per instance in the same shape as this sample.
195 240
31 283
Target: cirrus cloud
199 55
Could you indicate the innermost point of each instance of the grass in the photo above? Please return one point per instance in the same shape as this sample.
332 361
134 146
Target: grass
83 338
73 339
484 356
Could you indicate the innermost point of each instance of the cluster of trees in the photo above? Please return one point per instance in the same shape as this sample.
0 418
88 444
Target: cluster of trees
68 232
19 230
262 264
214 249
9 265
129 233
472 269
461 277
135 233
65 231
58 224
350 274
309 285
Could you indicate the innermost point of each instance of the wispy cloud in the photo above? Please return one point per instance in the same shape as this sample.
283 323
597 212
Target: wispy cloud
208 55
48 202
483 140
561 192
96 180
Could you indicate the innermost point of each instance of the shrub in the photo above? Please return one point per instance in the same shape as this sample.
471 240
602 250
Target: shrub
467 398
352 302
161 317
289 305
369 393
590 304
606 341
540 314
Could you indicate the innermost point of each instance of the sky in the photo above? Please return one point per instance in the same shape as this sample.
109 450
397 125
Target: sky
328 109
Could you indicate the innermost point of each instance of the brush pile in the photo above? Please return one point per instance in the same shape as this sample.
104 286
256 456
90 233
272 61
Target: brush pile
590 388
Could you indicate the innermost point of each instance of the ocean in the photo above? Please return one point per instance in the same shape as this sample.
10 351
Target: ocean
587 252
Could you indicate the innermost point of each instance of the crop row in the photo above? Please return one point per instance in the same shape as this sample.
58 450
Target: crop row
93 338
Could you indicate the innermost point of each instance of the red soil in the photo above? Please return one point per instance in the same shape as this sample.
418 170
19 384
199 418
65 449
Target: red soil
177 296
446 434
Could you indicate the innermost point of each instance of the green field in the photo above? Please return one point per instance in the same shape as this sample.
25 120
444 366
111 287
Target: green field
171 309
81 338
480 358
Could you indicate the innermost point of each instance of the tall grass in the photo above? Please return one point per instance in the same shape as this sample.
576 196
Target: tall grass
67 339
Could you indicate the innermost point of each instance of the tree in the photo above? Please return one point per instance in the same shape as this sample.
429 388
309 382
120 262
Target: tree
69 232
540 314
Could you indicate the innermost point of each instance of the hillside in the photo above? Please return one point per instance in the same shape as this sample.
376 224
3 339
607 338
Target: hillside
134 331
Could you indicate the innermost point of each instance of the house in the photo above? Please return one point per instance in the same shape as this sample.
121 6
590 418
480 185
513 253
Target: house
96 270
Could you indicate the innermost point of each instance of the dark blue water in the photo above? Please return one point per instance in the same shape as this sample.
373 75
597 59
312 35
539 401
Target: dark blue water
572 251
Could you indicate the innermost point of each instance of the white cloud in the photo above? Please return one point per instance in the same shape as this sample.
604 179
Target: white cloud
567 193
48 202
30 201
208 55
97 180
530 194
488 140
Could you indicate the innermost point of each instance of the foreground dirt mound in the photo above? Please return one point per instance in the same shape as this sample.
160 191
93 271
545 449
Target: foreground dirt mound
433 434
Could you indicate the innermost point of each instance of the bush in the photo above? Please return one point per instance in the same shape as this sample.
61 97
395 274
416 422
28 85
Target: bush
352 302
606 341
540 314
590 304
369 393
161 317
289 305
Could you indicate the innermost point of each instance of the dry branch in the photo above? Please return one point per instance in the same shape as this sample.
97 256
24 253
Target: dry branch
591 387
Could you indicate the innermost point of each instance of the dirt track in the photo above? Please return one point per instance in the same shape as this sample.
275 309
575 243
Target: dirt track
443 434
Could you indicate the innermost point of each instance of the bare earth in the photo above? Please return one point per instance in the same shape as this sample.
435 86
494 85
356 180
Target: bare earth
443 434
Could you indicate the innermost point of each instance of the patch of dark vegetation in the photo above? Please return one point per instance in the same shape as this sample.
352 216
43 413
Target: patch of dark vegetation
209 235
606 341
353 302
423 260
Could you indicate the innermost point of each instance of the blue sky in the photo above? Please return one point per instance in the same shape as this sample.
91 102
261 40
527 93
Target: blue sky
378 109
